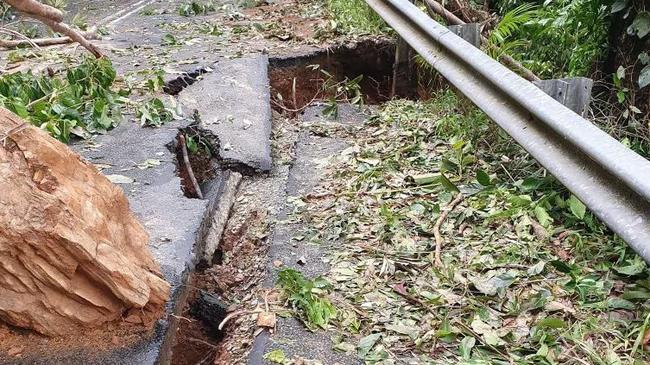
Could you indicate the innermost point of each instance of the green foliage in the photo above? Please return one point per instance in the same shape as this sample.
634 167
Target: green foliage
307 296
80 22
196 144
195 8
154 113
148 11
156 83
641 25
354 16
501 38
169 40
29 30
563 38
82 102
59 4
346 90
644 75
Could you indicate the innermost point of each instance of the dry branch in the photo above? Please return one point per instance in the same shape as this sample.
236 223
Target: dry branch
188 167
42 42
53 18
436 227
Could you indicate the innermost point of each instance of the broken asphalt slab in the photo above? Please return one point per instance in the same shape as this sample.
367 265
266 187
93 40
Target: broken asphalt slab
233 105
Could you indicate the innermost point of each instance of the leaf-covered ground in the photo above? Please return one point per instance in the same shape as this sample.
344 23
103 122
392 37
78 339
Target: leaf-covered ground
527 274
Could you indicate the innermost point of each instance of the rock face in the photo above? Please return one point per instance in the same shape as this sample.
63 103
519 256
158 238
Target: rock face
72 255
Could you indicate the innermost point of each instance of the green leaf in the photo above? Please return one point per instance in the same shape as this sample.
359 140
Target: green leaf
466 346
618 6
542 216
483 178
531 183
168 40
277 356
620 73
577 208
641 25
449 186
425 179
563 267
551 322
619 303
536 269
543 350
632 267
366 344
447 165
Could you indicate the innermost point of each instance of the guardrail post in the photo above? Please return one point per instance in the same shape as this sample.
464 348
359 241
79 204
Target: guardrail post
402 67
574 93
470 32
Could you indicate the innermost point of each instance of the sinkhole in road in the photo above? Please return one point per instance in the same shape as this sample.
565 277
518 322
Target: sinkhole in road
297 82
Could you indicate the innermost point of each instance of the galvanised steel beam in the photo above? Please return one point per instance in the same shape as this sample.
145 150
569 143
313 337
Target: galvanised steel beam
612 180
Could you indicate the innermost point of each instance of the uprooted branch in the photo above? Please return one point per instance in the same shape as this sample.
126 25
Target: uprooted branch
53 18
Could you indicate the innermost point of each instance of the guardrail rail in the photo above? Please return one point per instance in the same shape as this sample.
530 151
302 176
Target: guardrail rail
609 178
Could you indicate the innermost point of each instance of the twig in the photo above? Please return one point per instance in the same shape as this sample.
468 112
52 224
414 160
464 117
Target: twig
298 110
24 41
188 166
192 339
181 317
237 314
73 34
436 227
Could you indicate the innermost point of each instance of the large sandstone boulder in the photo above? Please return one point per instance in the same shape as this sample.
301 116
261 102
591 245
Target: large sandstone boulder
72 255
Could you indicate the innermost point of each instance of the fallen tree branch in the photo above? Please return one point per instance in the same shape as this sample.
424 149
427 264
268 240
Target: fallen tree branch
188 167
35 8
53 18
41 42
436 227
73 34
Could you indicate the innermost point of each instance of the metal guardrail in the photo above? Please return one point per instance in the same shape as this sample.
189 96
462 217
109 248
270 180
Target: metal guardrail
609 178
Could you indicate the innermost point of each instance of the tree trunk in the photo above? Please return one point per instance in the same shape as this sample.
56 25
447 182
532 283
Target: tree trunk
72 255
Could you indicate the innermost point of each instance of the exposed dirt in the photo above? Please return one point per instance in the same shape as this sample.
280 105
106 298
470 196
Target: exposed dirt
243 249
293 25
202 161
295 83
22 344
241 266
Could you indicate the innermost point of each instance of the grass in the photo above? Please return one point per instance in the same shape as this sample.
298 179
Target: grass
307 296
355 16
528 274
